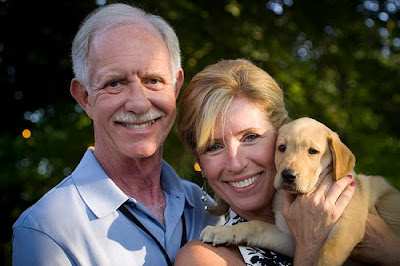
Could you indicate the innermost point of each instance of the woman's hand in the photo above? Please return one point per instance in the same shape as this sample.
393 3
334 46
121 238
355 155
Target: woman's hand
312 216
380 244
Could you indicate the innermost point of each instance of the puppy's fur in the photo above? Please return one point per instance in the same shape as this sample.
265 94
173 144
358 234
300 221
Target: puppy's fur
304 149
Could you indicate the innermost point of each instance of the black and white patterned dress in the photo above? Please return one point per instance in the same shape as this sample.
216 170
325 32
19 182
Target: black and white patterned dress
257 256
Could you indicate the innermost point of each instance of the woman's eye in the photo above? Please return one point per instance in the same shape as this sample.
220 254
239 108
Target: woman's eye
213 148
251 137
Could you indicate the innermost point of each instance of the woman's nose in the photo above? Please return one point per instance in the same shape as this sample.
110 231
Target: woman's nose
236 160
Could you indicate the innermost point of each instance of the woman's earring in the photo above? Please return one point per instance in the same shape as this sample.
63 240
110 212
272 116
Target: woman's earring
203 188
204 195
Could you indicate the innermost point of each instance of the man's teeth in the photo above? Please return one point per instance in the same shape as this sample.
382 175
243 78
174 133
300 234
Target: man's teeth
245 183
136 126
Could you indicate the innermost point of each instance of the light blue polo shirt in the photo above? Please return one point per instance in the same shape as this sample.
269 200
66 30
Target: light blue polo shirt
78 222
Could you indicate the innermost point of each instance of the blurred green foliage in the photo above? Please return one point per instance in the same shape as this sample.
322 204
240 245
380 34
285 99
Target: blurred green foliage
337 61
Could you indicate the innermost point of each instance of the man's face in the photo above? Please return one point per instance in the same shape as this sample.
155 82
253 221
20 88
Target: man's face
133 99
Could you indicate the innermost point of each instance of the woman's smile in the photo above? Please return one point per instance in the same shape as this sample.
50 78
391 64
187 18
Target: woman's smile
245 183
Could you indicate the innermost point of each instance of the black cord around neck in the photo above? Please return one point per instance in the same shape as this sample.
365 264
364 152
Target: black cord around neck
131 217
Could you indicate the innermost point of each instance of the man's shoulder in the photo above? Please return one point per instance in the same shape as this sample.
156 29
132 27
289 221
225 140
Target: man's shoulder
51 208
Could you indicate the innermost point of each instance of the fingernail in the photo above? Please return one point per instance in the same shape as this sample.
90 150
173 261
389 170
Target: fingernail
349 176
352 184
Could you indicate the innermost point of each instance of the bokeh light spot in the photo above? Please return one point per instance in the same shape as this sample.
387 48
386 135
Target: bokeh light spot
26 133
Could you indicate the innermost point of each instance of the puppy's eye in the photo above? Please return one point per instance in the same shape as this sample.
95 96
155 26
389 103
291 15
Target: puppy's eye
282 147
312 151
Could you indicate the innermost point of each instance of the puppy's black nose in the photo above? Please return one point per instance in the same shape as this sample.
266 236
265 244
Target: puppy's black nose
288 176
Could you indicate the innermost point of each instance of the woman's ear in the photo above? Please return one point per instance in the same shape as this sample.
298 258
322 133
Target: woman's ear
343 159
80 94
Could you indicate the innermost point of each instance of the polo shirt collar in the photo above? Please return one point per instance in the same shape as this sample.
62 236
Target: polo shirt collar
97 190
103 196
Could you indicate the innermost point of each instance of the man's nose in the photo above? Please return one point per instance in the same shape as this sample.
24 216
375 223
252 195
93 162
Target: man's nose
137 100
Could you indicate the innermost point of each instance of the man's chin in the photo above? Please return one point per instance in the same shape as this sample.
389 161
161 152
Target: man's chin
144 151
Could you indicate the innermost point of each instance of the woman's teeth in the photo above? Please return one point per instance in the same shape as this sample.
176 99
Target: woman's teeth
245 183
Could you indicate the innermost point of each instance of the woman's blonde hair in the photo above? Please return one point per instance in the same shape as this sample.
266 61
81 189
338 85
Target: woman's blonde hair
207 97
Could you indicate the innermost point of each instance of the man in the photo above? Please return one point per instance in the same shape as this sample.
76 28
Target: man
123 204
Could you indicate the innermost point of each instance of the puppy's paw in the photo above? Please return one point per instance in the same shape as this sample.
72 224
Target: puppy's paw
218 235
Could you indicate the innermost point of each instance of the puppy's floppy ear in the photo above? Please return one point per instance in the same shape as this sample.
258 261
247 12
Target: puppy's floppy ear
343 159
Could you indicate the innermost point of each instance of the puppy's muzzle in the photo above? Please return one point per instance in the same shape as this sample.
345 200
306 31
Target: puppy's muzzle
288 176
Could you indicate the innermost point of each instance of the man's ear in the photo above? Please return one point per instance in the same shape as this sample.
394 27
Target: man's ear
80 95
179 81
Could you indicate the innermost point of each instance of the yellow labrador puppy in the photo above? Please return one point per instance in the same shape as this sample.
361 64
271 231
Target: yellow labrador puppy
304 149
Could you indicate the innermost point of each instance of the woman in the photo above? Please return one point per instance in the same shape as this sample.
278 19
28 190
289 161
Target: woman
228 117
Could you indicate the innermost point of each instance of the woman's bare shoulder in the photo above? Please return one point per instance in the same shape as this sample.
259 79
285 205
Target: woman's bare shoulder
199 253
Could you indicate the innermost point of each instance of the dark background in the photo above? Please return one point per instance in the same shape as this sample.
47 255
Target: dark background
337 61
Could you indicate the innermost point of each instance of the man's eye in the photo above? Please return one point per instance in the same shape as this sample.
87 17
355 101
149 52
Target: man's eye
114 87
113 83
153 80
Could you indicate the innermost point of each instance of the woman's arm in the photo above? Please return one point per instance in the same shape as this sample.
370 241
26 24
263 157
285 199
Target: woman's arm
197 253
380 244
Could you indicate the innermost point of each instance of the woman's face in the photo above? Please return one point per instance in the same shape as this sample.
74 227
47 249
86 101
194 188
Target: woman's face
240 165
